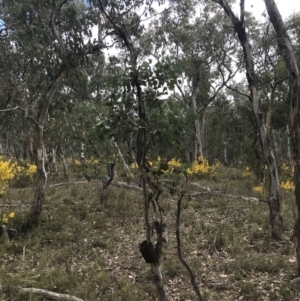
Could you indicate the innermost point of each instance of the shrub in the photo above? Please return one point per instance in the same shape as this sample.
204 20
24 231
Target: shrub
11 171
8 171
202 167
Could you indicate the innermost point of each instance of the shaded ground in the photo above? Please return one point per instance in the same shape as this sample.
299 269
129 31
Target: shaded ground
91 251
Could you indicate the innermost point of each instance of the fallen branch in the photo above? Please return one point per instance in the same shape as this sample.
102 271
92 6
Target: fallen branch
230 196
202 187
20 205
219 285
66 183
125 185
49 294
117 184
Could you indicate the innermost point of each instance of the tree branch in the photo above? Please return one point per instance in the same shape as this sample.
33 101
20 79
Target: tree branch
21 109
192 276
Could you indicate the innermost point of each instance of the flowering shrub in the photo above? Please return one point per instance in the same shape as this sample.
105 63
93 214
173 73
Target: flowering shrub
7 217
12 171
247 172
258 189
7 172
287 167
202 167
199 167
287 185
173 164
134 165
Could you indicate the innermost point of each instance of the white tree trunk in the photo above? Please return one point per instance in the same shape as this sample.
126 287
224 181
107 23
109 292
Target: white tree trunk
125 166
198 140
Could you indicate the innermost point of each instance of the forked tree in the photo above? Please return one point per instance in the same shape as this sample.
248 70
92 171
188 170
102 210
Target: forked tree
274 195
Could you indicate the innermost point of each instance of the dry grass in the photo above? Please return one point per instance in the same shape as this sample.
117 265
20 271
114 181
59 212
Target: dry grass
91 251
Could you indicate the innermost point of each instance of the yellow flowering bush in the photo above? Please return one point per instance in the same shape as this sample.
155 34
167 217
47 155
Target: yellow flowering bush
30 171
77 162
7 217
199 167
173 164
258 189
247 172
287 167
134 165
12 171
7 172
202 167
287 185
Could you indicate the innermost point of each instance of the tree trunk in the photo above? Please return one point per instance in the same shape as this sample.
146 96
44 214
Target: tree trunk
198 140
63 158
125 166
274 197
36 207
288 55
187 151
288 142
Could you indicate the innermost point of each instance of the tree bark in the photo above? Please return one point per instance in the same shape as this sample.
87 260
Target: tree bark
39 197
288 55
274 196
288 142
125 166
198 140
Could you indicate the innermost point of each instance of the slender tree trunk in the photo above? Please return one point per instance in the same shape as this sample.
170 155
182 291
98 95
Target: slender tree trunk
36 208
274 196
288 55
225 153
30 149
63 158
288 142
39 197
187 152
198 140
125 166
270 108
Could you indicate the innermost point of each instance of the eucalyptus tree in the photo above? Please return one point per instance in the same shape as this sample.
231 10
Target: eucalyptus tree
287 52
52 39
200 49
274 196
122 22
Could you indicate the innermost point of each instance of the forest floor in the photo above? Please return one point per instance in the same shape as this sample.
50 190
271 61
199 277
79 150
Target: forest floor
90 250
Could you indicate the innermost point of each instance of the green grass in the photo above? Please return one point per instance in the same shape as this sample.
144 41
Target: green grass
89 250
